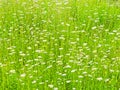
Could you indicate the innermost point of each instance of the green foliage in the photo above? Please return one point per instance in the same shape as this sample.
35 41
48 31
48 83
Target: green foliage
59 45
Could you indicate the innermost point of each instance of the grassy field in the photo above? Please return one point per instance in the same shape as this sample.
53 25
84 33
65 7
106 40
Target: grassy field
59 45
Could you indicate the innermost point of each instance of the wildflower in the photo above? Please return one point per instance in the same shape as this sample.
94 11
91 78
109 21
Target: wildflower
67 24
94 51
74 70
22 54
94 69
35 0
41 83
84 44
68 81
33 82
80 76
99 78
1 64
62 23
84 73
38 51
49 66
63 74
55 88
23 75
93 28
99 45
12 71
30 76
73 88
72 43
29 48
50 85
67 66
106 80
60 48
111 70
44 40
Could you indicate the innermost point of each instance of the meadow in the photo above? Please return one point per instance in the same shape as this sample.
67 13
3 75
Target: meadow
59 45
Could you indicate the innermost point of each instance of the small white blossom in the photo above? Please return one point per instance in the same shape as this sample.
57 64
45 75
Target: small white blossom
22 54
63 74
29 48
55 88
74 70
12 71
67 66
23 75
106 80
33 82
80 76
50 85
99 78
93 28
68 81
37 51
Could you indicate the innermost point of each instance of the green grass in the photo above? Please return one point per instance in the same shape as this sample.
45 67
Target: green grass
59 45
